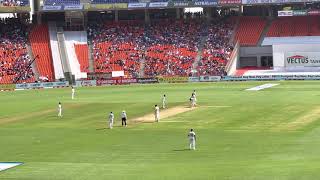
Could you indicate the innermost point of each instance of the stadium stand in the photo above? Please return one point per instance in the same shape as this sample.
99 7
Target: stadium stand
41 49
14 3
82 56
217 49
169 47
173 46
295 26
14 59
249 30
117 46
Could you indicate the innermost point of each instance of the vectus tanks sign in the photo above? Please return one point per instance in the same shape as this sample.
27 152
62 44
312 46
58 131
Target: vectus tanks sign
305 59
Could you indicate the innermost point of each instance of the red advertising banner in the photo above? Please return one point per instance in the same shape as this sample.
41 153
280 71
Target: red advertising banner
106 82
127 81
116 81
229 2
314 12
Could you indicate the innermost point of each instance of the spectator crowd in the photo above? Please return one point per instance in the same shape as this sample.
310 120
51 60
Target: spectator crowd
14 59
13 2
167 47
217 48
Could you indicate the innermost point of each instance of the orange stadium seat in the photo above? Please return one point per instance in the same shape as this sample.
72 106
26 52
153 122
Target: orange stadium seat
249 30
39 38
83 56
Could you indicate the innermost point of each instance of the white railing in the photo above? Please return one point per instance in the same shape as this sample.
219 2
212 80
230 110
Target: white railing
231 66
57 65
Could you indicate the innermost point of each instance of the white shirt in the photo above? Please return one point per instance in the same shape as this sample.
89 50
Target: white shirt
111 116
192 135
73 90
164 99
60 106
156 110
123 115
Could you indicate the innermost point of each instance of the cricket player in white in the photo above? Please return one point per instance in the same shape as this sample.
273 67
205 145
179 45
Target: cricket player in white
192 139
194 94
164 101
193 101
59 110
72 92
156 113
111 118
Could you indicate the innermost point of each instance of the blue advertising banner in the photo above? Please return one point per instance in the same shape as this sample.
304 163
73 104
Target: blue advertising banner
42 85
206 3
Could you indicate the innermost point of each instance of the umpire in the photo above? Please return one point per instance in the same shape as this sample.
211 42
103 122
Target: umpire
124 118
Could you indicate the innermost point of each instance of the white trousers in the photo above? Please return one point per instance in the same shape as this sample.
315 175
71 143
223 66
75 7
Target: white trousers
60 112
157 117
111 124
163 104
192 144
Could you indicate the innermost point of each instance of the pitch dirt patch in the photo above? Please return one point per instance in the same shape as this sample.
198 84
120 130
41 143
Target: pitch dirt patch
301 121
164 113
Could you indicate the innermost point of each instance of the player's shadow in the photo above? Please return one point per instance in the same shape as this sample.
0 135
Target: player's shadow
186 149
101 129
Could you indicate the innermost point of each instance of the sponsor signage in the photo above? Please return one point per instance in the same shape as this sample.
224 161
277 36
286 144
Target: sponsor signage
304 59
42 85
285 13
8 165
73 7
180 4
127 81
86 83
106 82
194 79
147 80
263 1
120 6
271 77
314 12
137 5
100 6
271 1
206 3
158 4
300 13
209 78
175 79
8 9
7 86
52 8
229 2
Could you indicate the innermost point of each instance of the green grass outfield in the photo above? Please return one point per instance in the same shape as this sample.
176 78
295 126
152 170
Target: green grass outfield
268 134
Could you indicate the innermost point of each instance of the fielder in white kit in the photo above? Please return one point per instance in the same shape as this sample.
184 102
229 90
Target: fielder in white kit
72 92
192 139
164 101
156 113
59 109
111 118
194 95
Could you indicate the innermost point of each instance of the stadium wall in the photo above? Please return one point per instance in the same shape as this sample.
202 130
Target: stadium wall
251 56
296 57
